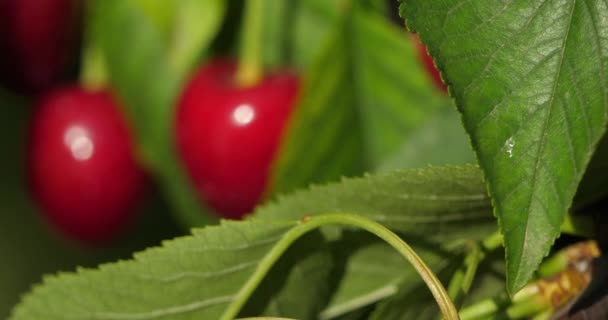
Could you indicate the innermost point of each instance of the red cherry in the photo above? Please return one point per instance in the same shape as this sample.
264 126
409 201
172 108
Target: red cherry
227 135
81 164
35 41
429 64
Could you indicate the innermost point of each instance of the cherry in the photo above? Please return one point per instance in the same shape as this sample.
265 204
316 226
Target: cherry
35 41
81 164
429 64
228 135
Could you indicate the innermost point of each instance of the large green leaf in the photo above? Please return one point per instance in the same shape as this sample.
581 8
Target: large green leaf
363 95
529 77
148 62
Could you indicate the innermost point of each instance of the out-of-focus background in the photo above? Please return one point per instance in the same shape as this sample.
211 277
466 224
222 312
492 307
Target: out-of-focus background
386 106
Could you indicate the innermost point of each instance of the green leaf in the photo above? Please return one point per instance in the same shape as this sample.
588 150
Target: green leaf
294 32
193 277
363 95
196 22
301 293
440 141
323 128
147 69
439 203
530 80
392 93
359 314
412 301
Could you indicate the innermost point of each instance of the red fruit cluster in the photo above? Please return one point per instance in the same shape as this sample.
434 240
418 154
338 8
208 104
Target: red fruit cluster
81 163
228 135
82 167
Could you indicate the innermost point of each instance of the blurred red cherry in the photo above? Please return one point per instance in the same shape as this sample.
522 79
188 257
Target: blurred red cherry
81 164
36 38
429 64
228 135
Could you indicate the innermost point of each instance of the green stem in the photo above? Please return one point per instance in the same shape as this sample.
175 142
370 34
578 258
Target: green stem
544 316
561 260
455 287
526 309
553 265
265 318
250 70
472 262
523 309
94 74
462 280
480 310
493 242
439 293
525 304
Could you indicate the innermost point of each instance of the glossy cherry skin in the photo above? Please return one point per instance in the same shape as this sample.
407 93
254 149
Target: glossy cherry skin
429 64
81 165
36 39
227 135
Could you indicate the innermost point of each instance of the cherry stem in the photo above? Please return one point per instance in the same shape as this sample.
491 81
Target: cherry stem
94 73
463 278
250 70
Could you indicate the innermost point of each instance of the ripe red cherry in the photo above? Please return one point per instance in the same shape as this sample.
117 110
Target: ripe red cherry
227 135
35 41
429 65
81 164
